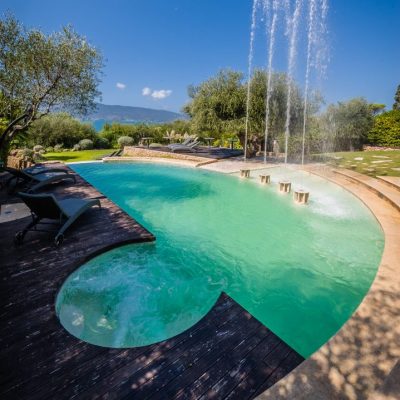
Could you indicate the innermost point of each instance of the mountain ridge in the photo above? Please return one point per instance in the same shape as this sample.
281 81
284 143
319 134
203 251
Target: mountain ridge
118 113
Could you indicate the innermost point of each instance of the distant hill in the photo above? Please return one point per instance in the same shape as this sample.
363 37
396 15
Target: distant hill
127 114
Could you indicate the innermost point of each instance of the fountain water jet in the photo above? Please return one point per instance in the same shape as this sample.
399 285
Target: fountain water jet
250 67
315 47
272 30
315 54
310 41
292 29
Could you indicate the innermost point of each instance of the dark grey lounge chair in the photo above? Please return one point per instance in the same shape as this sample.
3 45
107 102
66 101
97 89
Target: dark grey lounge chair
40 178
42 168
46 206
186 142
190 147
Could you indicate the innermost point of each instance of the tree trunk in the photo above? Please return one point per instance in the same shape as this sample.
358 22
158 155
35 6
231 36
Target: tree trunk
4 147
251 144
9 133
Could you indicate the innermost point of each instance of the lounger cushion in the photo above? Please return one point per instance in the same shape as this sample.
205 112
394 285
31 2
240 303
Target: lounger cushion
72 206
47 175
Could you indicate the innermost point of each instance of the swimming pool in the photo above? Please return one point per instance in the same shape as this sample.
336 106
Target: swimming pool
300 270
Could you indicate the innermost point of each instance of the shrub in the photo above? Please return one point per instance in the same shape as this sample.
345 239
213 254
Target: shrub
155 145
223 141
65 149
86 144
136 131
76 147
101 143
38 148
37 157
59 128
49 149
386 129
58 147
125 141
26 152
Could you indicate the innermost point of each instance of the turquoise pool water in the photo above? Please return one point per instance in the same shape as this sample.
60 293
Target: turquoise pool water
301 270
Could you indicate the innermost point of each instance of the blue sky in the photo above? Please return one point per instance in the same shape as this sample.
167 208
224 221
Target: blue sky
165 45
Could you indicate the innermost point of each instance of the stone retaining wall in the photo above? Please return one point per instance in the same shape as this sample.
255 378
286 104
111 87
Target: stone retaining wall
18 162
132 151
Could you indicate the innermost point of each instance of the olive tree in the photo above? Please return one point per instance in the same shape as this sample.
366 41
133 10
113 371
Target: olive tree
40 73
347 124
218 106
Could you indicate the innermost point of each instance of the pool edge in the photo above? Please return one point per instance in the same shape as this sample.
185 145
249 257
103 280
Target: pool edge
355 362
345 366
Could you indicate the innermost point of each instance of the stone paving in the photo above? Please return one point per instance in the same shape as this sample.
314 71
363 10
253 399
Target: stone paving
232 166
361 360
391 180
381 188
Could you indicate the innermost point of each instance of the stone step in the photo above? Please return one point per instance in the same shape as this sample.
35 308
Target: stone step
382 189
392 181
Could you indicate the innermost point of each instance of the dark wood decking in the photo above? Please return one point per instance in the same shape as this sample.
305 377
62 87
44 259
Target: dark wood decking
228 354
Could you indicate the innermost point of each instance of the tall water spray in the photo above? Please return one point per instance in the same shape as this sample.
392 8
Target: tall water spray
292 30
310 42
271 29
321 48
250 68
316 57
316 53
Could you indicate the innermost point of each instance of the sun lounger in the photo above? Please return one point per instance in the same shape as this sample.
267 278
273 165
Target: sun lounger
40 169
62 212
40 178
186 142
190 147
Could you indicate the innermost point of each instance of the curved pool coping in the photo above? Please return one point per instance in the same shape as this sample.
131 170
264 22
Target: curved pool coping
355 362
161 160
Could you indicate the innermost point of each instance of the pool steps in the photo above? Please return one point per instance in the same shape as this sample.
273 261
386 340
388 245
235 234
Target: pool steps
383 189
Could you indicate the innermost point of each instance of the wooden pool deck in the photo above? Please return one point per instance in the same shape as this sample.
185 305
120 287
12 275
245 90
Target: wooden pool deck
226 355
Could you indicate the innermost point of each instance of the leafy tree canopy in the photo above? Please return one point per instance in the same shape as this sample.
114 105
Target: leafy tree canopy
377 108
347 124
218 106
386 129
40 73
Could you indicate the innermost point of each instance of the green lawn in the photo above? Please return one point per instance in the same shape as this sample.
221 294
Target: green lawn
373 163
73 156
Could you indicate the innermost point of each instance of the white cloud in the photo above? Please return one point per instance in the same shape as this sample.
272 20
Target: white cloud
120 86
146 91
156 94
161 94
